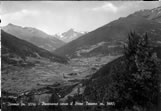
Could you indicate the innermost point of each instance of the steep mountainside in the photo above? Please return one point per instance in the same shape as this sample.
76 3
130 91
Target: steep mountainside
69 35
17 51
102 78
154 14
34 36
114 35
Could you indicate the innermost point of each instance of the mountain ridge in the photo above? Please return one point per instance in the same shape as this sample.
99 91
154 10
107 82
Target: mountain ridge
116 30
15 50
34 36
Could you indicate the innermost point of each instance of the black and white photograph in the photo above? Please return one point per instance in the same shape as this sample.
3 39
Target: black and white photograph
80 55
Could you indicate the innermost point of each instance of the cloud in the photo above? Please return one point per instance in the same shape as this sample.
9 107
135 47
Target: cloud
19 15
107 6
22 13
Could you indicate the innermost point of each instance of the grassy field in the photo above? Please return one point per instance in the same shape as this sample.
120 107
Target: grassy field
17 80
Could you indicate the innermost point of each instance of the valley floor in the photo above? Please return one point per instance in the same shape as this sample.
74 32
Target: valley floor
18 80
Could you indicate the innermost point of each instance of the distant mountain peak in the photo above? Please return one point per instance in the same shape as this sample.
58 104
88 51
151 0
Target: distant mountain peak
10 24
69 35
71 29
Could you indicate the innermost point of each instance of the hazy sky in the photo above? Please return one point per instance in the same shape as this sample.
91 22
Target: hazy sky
59 16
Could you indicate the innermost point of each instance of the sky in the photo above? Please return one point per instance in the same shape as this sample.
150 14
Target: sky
59 16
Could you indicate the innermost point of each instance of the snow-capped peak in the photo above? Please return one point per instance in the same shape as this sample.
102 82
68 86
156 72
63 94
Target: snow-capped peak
69 35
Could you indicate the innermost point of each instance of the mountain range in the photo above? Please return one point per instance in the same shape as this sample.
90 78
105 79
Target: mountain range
16 51
69 35
110 38
34 36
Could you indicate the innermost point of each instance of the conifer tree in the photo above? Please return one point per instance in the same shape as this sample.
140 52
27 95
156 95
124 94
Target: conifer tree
138 84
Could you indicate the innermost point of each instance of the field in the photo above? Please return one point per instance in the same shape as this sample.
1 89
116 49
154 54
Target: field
18 80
